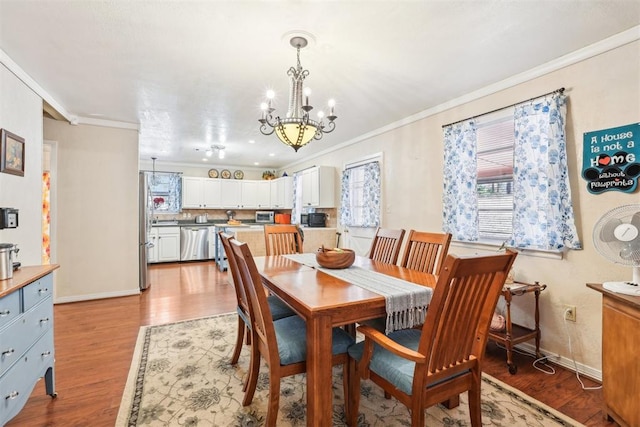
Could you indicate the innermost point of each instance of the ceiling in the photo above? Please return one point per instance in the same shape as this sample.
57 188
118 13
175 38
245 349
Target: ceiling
192 74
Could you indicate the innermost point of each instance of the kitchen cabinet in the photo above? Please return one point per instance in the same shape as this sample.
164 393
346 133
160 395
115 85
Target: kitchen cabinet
230 193
318 187
255 195
200 193
152 249
166 242
26 337
282 192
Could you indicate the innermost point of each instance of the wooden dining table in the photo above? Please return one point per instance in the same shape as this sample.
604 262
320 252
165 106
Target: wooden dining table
325 301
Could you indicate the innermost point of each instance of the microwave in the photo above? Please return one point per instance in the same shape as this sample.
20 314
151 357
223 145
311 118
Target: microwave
317 219
265 217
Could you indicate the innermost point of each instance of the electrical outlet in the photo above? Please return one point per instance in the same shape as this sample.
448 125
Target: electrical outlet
570 313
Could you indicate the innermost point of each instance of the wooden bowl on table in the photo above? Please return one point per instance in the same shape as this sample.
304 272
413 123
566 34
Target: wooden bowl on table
335 258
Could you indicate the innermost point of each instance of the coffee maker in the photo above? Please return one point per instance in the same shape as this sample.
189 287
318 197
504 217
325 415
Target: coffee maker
8 219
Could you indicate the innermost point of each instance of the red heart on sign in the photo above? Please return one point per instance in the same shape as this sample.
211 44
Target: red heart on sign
604 160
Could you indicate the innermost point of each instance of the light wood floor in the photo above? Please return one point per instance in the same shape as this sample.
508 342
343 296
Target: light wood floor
95 341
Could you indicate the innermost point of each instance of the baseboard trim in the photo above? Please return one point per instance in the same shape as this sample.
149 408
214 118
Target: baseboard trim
563 361
89 297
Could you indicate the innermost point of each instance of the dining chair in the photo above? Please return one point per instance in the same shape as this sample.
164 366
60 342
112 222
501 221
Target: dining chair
386 245
422 368
282 239
426 251
277 307
282 343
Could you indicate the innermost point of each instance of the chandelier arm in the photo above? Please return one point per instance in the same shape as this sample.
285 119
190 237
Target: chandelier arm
329 127
264 129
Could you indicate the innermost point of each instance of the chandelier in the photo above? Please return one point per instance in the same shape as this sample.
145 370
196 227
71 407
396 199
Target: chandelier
296 129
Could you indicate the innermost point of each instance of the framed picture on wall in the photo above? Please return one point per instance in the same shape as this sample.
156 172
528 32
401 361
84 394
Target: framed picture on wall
11 153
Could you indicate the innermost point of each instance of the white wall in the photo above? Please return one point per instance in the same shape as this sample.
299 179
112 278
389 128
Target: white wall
603 92
21 114
97 210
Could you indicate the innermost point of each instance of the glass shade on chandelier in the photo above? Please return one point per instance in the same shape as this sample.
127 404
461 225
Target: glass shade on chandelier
296 129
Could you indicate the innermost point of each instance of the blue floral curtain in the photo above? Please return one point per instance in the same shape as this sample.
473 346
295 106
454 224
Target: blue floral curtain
460 197
543 212
361 208
297 201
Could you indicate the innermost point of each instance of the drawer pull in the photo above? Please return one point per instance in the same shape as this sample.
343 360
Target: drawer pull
12 395
8 352
4 313
45 354
43 291
45 320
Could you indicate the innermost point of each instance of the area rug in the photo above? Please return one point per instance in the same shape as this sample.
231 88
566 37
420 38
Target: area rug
181 376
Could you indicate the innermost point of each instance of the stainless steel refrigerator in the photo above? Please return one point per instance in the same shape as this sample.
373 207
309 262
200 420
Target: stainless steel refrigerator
145 210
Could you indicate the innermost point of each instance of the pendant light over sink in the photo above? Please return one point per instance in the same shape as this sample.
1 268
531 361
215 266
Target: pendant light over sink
296 129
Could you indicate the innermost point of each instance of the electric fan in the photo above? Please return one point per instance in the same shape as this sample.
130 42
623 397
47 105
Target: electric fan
616 236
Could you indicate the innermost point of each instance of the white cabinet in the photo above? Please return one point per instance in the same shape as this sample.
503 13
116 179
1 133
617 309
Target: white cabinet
166 246
282 193
262 198
230 193
152 249
318 187
200 193
211 193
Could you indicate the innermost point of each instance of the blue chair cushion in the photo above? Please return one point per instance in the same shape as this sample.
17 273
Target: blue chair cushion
278 308
395 369
291 333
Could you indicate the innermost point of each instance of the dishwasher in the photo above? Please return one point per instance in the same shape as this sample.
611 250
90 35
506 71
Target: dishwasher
194 243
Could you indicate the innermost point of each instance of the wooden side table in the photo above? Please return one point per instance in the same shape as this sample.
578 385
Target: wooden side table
513 333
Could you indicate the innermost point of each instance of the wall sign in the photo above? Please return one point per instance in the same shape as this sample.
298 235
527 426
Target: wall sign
611 159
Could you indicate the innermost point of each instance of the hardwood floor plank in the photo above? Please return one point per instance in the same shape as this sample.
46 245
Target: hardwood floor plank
95 341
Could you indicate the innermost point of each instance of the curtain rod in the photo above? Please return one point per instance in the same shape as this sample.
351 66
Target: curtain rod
561 90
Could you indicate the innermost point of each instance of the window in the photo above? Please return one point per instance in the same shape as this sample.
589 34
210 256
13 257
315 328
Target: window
166 190
506 179
360 198
495 179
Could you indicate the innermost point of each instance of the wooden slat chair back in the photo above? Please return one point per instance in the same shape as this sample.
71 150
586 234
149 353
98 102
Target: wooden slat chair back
282 343
282 239
386 245
278 308
426 251
443 359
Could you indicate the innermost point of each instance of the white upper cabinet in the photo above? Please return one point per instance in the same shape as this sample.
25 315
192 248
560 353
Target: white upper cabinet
282 192
231 193
209 193
318 187
200 193
191 192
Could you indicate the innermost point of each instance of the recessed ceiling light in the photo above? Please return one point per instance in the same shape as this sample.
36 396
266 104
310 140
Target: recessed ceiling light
272 154
251 141
204 159
256 163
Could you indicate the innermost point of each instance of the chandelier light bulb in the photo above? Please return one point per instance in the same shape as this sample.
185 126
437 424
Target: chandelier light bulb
271 94
307 93
320 115
209 153
221 154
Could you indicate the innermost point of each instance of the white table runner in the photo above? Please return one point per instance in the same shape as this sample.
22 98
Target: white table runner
406 302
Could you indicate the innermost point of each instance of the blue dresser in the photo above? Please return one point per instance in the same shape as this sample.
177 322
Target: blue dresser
26 337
